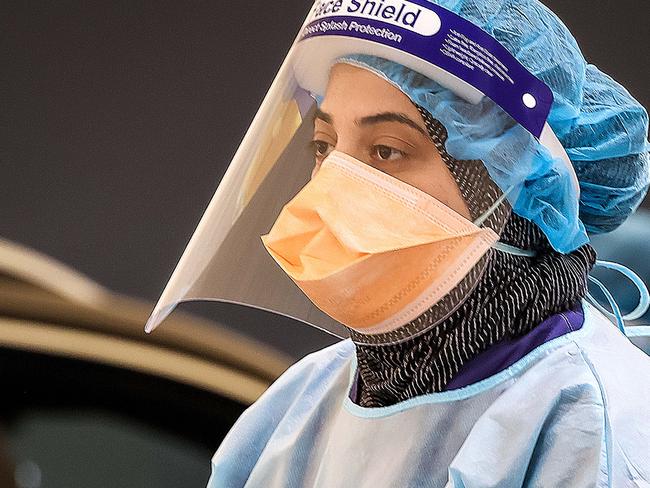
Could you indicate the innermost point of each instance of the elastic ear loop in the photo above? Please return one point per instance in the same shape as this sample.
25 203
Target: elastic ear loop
644 299
493 208
502 246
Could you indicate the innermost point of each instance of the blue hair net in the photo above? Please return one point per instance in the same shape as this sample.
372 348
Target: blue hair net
602 128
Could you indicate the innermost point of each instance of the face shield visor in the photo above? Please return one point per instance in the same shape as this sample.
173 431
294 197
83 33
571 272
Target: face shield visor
475 80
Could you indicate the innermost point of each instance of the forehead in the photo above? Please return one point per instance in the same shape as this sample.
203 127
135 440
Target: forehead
353 91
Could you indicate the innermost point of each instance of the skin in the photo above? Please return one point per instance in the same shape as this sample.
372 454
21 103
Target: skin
369 119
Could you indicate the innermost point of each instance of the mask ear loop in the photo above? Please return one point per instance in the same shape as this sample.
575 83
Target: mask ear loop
493 208
502 246
517 251
644 299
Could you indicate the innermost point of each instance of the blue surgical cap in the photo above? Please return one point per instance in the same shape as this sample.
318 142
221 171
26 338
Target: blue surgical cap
601 126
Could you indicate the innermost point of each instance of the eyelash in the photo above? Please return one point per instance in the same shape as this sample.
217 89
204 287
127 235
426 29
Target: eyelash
315 148
321 152
379 147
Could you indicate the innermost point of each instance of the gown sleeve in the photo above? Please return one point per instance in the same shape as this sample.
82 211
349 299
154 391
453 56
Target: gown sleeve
284 402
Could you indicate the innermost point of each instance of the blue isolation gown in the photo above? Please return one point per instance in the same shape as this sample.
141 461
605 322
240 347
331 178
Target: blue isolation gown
574 412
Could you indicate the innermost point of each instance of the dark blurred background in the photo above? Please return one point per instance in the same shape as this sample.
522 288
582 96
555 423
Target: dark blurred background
118 119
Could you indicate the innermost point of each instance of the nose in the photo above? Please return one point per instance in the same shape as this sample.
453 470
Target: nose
348 146
352 148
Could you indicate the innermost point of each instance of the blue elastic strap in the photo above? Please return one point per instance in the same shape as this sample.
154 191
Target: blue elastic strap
612 303
644 300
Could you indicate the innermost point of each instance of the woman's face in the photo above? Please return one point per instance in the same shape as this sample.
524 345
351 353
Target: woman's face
369 119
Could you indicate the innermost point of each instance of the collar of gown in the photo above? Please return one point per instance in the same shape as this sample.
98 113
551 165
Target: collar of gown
507 352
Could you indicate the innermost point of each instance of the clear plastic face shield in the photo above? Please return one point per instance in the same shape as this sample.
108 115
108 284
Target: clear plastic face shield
226 259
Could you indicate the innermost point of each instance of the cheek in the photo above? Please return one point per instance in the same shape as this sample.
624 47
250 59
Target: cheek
434 178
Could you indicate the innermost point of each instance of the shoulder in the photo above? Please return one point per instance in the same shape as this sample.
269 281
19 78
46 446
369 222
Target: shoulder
598 356
290 401
311 376
596 415
598 360
621 372
317 371
620 369
574 411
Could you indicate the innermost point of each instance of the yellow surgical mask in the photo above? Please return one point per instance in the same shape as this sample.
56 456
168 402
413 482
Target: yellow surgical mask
369 250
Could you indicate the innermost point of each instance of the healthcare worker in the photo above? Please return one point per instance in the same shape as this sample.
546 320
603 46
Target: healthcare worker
424 177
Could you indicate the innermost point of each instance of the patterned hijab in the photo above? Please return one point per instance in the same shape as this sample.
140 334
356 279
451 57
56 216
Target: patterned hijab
512 295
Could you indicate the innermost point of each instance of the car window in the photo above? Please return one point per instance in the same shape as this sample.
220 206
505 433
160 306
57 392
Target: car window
66 423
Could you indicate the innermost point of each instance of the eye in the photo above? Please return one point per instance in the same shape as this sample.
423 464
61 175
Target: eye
387 153
321 148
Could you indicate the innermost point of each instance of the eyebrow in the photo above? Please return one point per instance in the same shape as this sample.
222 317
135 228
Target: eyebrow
391 117
324 116
377 119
